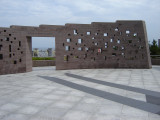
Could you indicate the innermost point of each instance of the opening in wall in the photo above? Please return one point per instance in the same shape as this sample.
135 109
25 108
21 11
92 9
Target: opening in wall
67 48
19 43
68 40
79 41
75 32
43 48
127 31
10 48
1 56
105 34
88 33
1 47
116 29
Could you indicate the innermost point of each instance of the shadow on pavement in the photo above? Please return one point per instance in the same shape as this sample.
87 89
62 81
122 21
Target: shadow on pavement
129 88
109 96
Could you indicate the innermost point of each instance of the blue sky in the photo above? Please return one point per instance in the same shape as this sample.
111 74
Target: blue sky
59 12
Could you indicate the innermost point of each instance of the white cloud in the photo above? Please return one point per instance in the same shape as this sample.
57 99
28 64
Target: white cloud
35 12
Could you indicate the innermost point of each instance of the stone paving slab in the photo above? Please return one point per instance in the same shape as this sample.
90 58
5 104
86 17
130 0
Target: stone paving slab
26 96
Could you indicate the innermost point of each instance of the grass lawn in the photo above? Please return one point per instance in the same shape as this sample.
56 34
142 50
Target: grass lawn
43 58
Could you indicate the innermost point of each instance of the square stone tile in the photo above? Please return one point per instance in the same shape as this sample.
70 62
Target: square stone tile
43 90
105 117
53 97
110 109
14 116
130 111
43 102
29 110
24 100
77 93
91 108
3 113
77 115
153 116
72 98
50 114
3 101
91 100
10 107
133 118
63 104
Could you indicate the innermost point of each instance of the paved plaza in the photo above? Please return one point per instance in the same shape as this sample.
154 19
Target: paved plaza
81 94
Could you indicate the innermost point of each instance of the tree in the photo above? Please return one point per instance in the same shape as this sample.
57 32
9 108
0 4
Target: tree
154 49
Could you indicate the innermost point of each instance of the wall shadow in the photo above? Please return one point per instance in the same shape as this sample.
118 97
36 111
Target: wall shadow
109 96
124 87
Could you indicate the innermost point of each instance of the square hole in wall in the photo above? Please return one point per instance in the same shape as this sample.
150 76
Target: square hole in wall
75 32
88 33
106 46
19 43
86 49
141 47
93 38
15 62
68 40
7 38
105 34
135 34
129 41
113 54
10 50
67 48
79 41
99 50
1 46
96 33
127 31
118 41
122 47
80 49
65 57
120 33
116 29
1 56
115 47
95 43
111 40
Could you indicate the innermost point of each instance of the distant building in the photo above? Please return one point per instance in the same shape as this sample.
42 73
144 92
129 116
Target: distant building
49 50
35 52
43 53
53 53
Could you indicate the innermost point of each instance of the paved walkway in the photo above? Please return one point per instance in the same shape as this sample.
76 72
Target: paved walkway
85 94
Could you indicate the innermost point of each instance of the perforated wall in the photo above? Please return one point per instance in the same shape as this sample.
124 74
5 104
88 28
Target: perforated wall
122 44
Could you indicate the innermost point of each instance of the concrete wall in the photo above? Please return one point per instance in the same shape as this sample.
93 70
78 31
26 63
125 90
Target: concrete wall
155 61
122 44
39 63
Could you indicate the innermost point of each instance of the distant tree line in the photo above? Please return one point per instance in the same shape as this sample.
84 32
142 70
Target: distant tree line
154 49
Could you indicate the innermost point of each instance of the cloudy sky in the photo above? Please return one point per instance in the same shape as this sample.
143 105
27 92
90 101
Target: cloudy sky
59 12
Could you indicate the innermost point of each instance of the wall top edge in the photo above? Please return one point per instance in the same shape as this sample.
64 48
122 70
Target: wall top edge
68 24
